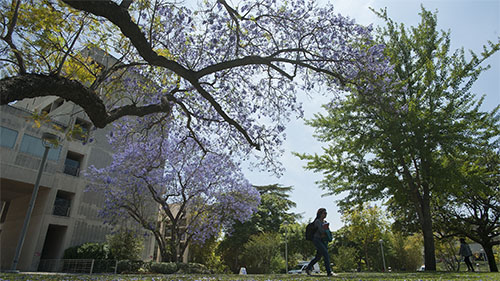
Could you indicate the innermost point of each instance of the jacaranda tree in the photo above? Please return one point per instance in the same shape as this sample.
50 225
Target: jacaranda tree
171 187
228 70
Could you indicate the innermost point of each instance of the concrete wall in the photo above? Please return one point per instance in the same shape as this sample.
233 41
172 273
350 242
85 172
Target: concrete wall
18 172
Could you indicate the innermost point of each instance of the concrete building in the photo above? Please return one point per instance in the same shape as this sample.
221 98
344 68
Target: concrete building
64 215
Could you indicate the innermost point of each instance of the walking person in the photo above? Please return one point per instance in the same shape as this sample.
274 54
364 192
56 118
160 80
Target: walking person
466 253
320 241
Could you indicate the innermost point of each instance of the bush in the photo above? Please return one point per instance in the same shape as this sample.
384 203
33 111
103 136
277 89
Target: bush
96 251
125 244
164 267
185 268
129 266
192 268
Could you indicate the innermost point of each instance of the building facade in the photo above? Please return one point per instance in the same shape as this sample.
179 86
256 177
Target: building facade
64 214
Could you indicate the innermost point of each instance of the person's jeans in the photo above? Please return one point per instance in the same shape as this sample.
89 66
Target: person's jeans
321 251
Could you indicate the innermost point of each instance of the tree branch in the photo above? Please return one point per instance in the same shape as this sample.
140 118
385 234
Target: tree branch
122 19
37 85
8 38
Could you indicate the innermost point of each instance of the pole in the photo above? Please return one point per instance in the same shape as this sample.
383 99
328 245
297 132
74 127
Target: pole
382 248
20 243
286 248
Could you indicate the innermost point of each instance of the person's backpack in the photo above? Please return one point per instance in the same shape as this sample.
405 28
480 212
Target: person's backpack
310 230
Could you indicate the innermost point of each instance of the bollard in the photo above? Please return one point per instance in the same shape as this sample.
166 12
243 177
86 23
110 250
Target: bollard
243 271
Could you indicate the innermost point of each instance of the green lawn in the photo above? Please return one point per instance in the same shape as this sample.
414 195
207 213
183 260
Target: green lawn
341 276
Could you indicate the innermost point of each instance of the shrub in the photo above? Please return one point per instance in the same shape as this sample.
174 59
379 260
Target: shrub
96 251
192 268
164 267
125 244
129 266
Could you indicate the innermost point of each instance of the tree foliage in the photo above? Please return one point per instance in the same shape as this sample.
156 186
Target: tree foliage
221 70
273 211
299 249
395 144
363 227
474 210
261 254
404 251
125 244
171 187
206 254
346 259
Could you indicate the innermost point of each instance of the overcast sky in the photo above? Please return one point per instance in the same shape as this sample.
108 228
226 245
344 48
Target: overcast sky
472 24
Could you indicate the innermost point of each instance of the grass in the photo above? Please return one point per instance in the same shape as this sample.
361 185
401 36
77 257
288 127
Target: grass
219 277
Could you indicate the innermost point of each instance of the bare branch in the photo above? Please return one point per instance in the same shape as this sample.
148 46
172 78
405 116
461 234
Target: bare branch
58 71
8 38
224 115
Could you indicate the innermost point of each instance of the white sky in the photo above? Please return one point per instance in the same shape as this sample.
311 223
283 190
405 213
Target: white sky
472 24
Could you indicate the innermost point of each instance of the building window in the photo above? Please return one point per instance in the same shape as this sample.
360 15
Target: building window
4 208
51 107
82 129
34 146
62 203
72 163
8 137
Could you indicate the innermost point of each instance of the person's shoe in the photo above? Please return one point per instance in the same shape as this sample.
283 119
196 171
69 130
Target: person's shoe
329 274
308 271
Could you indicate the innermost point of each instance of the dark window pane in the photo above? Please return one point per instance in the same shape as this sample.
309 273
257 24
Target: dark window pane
61 207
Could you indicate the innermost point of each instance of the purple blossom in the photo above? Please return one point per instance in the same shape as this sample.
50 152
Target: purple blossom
165 169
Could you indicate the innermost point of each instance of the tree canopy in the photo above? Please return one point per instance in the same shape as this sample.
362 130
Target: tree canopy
170 187
397 143
220 70
272 212
474 210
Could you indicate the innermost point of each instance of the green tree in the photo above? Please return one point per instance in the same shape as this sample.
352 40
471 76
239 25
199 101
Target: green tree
345 259
261 254
206 254
392 144
365 226
125 244
446 251
298 247
474 210
405 251
273 210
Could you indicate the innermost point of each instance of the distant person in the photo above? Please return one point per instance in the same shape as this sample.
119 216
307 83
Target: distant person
320 241
466 253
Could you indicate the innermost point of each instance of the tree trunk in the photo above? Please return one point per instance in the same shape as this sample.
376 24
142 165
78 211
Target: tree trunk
488 249
174 257
421 202
426 223
367 260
